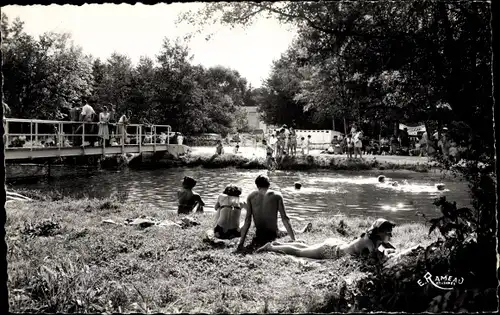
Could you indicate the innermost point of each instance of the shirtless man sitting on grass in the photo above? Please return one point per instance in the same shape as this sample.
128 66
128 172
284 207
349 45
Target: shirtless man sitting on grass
263 206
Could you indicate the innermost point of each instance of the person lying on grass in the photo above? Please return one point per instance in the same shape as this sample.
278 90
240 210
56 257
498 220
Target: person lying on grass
263 206
228 209
379 234
188 199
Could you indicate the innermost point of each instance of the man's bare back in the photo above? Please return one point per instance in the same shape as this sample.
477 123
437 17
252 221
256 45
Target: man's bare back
263 206
265 210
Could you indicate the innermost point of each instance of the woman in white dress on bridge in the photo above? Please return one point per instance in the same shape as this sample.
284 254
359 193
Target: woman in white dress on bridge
104 117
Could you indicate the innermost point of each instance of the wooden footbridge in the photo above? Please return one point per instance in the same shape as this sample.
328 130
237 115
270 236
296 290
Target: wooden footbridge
32 138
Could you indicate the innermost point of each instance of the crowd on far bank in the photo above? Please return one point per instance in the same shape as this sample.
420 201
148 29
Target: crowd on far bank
286 141
401 143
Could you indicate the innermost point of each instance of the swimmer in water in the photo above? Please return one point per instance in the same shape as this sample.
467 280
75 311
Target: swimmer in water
382 179
440 186
298 186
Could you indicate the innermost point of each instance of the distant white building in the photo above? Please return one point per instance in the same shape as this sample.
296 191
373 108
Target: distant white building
253 118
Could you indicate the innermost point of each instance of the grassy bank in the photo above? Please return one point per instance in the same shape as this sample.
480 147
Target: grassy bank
62 258
309 162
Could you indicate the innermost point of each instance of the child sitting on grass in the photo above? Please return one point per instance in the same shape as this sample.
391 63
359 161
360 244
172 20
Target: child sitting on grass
188 199
228 207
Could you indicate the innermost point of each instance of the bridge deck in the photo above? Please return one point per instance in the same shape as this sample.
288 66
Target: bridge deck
27 153
56 141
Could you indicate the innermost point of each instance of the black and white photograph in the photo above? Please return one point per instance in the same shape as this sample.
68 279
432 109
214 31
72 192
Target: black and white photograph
249 157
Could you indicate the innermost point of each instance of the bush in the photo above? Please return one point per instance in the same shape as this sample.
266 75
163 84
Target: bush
458 253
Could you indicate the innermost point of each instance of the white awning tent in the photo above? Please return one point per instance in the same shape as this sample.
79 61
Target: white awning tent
412 130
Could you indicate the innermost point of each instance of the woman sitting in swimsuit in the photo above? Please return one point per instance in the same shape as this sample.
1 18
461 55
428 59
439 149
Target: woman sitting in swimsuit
379 233
187 199
228 209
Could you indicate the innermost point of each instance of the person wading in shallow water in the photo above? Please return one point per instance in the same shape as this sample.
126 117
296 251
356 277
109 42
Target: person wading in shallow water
270 162
263 206
188 199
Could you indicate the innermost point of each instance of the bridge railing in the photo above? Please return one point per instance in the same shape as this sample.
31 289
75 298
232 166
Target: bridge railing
36 133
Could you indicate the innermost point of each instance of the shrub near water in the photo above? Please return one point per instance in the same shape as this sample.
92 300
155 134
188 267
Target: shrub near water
94 267
457 253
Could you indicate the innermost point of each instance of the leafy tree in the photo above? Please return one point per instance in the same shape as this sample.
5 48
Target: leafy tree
407 61
278 99
142 95
44 76
417 40
241 121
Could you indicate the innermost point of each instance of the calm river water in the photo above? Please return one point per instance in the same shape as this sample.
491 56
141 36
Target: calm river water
352 193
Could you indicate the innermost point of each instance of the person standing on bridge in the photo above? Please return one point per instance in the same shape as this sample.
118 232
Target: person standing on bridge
103 126
87 116
112 119
74 114
121 128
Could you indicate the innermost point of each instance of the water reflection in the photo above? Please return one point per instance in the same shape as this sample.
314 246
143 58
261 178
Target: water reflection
322 192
